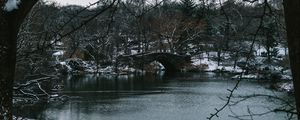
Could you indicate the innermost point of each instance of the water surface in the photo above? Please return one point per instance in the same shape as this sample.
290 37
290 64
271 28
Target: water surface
190 96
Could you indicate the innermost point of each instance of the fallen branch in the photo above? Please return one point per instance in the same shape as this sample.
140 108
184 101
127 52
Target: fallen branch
30 82
30 94
26 88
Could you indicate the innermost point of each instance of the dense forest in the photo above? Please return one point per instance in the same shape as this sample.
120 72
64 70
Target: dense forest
246 39
226 32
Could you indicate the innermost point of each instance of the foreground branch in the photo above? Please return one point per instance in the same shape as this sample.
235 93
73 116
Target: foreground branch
231 91
28 88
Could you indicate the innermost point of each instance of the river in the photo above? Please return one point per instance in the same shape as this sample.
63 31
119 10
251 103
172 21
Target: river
185 96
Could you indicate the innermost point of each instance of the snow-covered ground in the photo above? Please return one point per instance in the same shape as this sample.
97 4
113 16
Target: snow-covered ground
211 65
261 70
75 65
205 61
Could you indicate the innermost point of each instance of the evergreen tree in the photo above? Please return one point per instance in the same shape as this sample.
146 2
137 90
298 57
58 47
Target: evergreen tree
187 7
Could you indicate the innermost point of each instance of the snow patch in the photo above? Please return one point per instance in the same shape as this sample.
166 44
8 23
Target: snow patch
249 76
57 43
11 5
134 52
288 86
260 50
282 51
213 65
286 77
58 53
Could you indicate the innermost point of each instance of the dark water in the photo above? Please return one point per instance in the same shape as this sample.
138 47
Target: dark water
191 96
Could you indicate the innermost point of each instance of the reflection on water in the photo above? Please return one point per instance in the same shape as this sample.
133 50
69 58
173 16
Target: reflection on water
93 83
152 97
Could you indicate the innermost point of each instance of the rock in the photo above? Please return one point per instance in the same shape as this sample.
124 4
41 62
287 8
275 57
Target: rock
75 64
284 87
288 87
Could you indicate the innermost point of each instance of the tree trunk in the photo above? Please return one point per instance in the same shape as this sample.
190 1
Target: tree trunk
7 63
219 56
292 18
9 26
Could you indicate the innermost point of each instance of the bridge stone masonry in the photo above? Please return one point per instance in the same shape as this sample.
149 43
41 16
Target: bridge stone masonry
172 62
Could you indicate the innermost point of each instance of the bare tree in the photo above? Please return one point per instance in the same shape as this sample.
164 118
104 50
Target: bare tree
9 26
292 18
10 22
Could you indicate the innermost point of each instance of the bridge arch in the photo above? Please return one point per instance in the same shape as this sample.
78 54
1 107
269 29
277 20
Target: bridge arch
171 62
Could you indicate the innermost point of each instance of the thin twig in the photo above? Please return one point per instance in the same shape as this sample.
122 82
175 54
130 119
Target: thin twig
231 91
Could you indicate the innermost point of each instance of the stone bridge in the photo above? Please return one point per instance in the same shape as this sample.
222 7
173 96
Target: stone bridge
172 62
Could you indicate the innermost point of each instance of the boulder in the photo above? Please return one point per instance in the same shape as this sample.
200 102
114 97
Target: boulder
75 64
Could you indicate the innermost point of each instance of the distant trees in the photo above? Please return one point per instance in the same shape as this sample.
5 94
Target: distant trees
184 27
270 41
188 8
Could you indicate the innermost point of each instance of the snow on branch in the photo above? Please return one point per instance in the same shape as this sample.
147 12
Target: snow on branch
11 5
